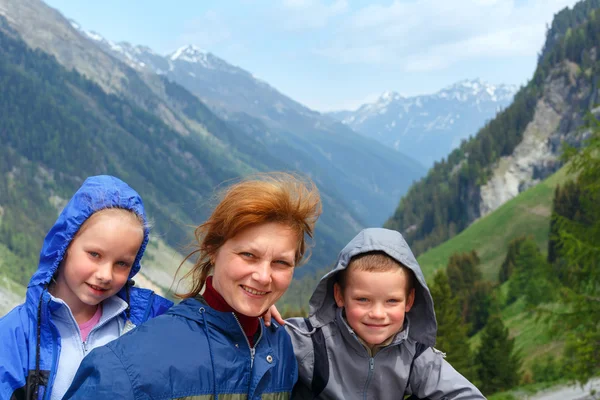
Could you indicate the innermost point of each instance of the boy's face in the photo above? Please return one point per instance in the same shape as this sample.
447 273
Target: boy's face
375 303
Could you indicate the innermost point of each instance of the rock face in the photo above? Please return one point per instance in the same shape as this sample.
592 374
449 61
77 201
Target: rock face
557 118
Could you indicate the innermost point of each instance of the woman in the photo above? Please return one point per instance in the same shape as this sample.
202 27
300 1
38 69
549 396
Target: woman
215 344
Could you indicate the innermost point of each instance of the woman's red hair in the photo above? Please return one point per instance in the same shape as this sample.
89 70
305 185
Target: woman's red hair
268 197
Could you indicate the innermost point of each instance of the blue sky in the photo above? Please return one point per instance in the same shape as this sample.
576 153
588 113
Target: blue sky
338 54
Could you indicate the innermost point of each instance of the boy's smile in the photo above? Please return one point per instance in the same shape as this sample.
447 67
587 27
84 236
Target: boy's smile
375 303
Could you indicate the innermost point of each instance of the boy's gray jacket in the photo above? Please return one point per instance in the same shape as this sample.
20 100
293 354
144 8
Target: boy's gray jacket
353 373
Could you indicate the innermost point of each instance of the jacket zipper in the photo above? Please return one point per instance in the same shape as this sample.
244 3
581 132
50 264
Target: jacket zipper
252 349
84 344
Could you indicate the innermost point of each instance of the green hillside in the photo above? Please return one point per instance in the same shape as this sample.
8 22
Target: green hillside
526 214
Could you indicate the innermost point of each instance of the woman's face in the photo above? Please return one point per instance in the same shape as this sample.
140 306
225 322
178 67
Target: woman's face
254 268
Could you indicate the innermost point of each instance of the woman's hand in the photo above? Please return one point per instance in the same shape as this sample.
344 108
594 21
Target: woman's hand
272 313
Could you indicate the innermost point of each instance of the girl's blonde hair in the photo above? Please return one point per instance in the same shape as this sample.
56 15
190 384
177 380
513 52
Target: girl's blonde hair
262 198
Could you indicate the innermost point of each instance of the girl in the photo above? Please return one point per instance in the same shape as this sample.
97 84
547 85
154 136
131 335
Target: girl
214 345
81 296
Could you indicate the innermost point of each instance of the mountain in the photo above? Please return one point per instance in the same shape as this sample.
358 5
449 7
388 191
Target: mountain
429 127
69 110
370 177
520 146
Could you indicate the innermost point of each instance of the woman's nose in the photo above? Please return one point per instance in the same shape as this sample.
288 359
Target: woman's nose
262 273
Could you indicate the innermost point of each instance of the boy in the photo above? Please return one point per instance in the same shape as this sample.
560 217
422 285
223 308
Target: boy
371 329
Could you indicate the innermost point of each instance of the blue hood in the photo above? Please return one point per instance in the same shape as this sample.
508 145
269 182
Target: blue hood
96 193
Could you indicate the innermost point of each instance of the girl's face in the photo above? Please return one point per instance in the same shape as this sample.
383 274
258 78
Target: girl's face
254 268
98 261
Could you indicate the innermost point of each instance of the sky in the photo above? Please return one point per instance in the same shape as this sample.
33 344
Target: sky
338 54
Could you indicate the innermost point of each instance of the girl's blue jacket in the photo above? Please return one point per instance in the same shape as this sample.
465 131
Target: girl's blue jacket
31 342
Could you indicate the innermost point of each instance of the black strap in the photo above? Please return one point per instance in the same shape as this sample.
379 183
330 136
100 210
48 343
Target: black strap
419 349
321 360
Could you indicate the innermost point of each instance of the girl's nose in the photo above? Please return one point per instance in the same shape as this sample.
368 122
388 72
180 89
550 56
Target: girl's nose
104 272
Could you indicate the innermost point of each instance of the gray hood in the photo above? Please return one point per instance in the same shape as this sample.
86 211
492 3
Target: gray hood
423 325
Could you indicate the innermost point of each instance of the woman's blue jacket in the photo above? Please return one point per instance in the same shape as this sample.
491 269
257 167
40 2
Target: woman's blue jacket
192 352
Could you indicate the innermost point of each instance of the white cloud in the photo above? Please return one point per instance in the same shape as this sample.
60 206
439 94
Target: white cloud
426 35
206 31
300 15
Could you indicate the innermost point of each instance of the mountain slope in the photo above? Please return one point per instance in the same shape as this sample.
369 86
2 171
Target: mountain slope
57 128
518 148
428 127
366 174
148 105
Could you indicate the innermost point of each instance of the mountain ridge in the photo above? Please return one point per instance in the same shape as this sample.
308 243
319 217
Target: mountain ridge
429 126
320 146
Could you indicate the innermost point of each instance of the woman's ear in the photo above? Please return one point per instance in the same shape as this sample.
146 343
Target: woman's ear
338 295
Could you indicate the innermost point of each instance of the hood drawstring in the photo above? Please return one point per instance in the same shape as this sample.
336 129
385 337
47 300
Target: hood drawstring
128 324
36 381
300 331
128 286
212 362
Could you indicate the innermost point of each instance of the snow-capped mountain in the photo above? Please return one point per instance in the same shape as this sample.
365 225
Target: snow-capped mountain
365 173
428 127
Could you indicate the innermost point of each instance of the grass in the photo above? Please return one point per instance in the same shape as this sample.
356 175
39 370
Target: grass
527 214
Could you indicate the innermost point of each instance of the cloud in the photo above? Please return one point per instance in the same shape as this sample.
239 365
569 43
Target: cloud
302 15
207 31
427 35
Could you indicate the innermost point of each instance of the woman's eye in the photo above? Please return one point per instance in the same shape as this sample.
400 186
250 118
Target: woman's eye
246 254
283 263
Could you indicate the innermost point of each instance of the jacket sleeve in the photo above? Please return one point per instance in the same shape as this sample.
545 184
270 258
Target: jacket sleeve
434 378
14 355
101 375
303 350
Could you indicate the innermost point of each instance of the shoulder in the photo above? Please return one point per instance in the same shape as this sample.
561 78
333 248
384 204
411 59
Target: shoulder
146 304
14 336
16 321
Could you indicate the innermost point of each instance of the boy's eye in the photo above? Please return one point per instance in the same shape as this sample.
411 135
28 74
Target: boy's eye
393 301
362 299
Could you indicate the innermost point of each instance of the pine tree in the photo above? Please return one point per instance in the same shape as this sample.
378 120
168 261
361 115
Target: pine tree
532 277
497 364
508 265
579 245
452 332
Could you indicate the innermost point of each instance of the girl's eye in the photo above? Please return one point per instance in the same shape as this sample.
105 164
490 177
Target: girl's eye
93 254
123 264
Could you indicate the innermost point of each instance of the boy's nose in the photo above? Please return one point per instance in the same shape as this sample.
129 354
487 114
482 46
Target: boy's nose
377 312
